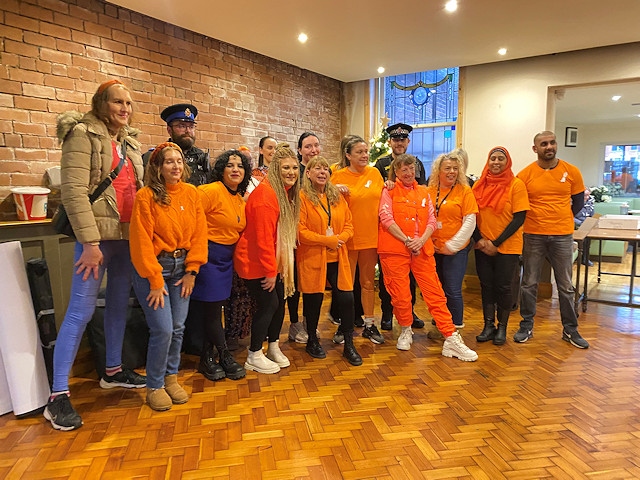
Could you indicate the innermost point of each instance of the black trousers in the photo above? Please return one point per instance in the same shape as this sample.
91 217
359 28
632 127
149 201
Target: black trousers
267 321
495 274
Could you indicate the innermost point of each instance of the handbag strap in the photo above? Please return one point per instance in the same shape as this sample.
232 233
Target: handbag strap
111 177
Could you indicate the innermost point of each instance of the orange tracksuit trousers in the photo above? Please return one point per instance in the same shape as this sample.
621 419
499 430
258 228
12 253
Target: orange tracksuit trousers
396 270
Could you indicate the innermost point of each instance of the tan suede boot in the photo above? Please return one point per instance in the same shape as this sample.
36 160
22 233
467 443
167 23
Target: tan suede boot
175 391
158 399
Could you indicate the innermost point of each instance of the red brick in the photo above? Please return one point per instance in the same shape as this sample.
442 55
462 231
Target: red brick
83 38
8 86
30 103
113 46
12 140
48 142
11 32
26 179
25 76
71 47
20 48
39 91
70 96
29 154
99 53
59 107
57 31
88 63
97 29
58 69
63 18
55 56
21 22
59 82
42 118
43 67
29 141
28 128
114 69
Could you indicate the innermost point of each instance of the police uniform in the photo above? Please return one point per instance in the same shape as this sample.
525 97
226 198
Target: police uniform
198 160
400 130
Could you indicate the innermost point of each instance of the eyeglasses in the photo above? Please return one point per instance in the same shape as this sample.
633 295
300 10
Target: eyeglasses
184 126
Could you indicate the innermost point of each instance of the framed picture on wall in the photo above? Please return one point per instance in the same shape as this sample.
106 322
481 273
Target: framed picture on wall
571 137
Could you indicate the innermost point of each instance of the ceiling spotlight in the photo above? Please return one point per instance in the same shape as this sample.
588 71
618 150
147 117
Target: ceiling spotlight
615 98
502 51
302 38
451 6
380 70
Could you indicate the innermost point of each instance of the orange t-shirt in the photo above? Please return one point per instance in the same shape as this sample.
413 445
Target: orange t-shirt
550 194
492 224
451 212
365 190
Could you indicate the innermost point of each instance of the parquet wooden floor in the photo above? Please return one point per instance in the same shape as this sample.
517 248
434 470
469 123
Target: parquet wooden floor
542 409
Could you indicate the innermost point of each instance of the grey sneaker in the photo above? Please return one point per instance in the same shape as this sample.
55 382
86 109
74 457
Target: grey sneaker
575 339
126 378
61 413
371 332
522 335
454 347
297 333
338 338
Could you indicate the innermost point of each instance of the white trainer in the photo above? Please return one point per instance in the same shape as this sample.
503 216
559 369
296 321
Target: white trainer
298 333
454 347
257 362
275 354
405 339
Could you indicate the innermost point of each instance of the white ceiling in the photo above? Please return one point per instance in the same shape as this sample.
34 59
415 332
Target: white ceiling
350 39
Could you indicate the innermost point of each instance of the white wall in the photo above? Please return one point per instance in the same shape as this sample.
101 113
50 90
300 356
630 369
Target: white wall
507 103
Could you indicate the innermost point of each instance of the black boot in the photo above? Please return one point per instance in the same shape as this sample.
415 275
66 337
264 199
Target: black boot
350 352
501 334
232 369
489 331
208 366
314 348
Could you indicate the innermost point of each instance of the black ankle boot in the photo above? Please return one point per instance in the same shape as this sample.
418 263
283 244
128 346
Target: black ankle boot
208 366
489 331
350 352
501 334
314 348
232 369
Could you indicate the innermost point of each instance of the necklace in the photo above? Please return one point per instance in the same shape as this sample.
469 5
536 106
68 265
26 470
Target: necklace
237 207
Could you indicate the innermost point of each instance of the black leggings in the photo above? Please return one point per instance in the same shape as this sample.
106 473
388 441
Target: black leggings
267 321
342 299
211 314
495 274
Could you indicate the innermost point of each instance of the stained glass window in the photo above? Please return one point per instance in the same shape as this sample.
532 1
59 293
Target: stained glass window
428 101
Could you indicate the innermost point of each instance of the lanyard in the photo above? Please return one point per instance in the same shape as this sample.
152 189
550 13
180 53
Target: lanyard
326 210
444 199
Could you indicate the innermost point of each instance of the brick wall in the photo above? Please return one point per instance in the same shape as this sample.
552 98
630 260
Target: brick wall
54 54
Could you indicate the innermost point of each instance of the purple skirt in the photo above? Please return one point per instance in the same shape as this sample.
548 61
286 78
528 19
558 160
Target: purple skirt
213 282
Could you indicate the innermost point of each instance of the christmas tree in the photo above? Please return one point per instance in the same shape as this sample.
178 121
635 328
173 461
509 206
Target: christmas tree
379 145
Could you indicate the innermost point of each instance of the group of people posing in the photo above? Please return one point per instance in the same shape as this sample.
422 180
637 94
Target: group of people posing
291 226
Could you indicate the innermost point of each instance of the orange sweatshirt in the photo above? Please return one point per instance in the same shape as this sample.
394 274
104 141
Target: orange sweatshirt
156 228
314 242
225 213
255 254
364 197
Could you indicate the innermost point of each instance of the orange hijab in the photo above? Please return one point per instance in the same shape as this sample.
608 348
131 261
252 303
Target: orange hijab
491 190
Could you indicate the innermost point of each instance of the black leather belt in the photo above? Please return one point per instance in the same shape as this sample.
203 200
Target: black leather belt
181 252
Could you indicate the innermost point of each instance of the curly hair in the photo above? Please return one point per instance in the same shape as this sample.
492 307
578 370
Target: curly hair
434 179
330 190
153 174
221 163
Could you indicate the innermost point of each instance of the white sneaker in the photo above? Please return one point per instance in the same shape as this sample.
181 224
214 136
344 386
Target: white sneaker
257 362
454 347
275 354
405 339
298 333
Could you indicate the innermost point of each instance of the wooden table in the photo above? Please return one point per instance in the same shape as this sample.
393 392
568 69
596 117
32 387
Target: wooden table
589 231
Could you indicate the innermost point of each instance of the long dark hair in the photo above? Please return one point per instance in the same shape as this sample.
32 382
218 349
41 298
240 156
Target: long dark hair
260 145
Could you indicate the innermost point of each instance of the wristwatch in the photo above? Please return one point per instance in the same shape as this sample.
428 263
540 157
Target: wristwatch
192 272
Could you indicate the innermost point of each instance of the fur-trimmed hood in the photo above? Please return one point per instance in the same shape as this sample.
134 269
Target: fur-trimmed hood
67 121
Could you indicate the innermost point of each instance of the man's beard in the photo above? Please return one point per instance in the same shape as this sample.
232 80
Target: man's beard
185 142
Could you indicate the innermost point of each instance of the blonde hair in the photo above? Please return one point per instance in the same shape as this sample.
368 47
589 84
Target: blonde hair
434 179
289 204
330 190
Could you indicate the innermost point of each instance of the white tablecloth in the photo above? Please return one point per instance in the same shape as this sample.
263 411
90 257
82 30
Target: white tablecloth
23 377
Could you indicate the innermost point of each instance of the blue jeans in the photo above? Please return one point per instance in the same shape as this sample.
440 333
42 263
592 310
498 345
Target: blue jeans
558 249
82 303
451 270
166 325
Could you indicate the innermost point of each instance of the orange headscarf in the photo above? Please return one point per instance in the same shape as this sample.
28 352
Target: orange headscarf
491 190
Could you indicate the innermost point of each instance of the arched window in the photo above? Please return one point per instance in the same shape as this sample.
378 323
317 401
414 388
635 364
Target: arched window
428 101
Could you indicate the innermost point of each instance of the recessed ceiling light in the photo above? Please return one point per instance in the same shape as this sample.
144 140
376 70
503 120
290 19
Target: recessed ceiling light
615 98
302 38
502 51
638 115
380 70
451 6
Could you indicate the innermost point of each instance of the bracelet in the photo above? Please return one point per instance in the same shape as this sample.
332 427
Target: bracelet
407 240
94 244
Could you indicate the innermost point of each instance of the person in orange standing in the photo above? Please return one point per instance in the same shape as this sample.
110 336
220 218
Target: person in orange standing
325 227
362 186
224 208
168 246
455 210
264 256
502 206
407 223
